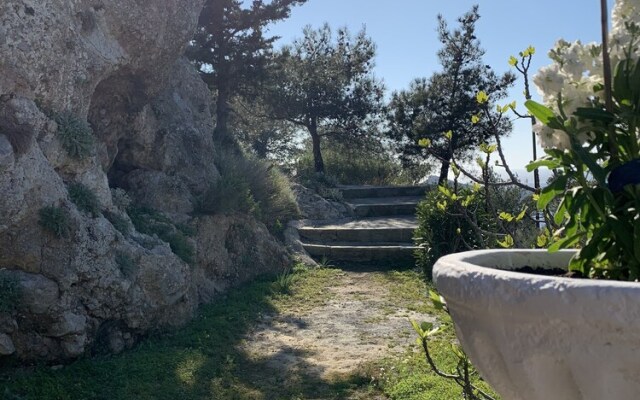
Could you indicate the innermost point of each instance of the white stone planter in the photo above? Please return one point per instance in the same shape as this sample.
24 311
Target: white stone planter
543 338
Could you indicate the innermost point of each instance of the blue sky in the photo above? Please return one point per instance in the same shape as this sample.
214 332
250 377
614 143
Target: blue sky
406 39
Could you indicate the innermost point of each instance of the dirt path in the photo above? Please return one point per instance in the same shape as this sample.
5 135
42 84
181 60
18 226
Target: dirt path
362 317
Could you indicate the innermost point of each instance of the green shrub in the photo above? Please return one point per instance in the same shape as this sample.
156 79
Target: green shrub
152 222
358 165
181 247
9 292
186 229
84 199
119 222
55 220
442 229
75 135
251 186
284 282
230 193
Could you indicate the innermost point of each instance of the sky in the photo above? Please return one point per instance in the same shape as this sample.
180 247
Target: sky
405 34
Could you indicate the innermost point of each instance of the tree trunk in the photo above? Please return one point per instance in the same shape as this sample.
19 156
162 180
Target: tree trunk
318 162
221 131
444 172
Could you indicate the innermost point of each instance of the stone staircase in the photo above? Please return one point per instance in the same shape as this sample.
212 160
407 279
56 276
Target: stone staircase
380 233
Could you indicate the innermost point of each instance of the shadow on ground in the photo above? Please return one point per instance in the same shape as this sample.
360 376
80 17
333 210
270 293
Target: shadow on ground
201 361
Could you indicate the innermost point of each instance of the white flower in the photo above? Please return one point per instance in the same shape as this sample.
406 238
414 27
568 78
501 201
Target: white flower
624 12
551 138
549 81
573 63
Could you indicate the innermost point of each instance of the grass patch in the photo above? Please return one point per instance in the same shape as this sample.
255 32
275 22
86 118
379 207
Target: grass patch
152 222
84 199
201 361
408 376
55 220
204 360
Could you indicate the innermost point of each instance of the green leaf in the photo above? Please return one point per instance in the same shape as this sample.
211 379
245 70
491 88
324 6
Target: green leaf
543 162
457 350
556 187
543 113
433 331
505 216
559 215
522 214
542 240
599 173
426 326
417 328
507 243
437 300
621 88
595 114
565 243
624 234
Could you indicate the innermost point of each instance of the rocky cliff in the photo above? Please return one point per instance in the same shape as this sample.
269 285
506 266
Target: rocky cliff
105 142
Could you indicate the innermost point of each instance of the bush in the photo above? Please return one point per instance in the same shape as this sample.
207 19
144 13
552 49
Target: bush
251 186
446 226
75 135
119 222
9 292
442 229
231 193
55 220
84 199
358 165
152 222
181 246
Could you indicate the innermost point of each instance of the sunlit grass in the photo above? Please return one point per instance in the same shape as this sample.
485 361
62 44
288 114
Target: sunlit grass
204 359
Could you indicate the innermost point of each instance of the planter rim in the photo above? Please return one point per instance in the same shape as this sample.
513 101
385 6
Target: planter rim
496 263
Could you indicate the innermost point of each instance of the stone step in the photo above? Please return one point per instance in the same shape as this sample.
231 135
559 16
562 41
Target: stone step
384 206
400 254
359 192
377 229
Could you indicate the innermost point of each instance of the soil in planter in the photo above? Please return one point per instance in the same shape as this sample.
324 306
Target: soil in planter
550 272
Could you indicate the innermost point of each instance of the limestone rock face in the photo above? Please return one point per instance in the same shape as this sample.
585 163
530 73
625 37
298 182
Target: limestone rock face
315 207
89 280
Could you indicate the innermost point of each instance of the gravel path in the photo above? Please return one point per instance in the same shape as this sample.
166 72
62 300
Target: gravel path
359 323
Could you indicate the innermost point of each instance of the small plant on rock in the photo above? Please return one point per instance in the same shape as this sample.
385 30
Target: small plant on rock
84 198
9 292
55 220
119 222
152 222
75 135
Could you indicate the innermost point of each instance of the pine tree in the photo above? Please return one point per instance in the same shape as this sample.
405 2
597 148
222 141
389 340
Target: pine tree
326 86
447 100
232 53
